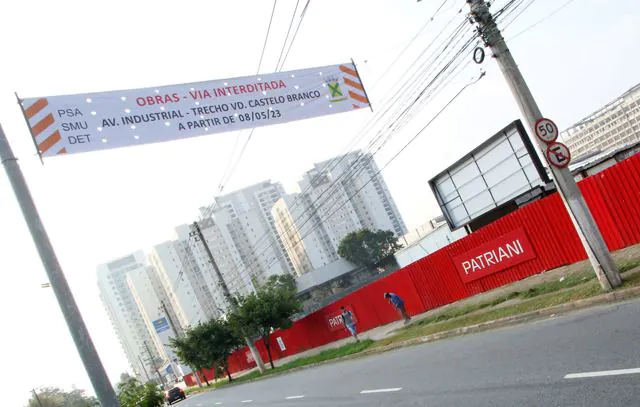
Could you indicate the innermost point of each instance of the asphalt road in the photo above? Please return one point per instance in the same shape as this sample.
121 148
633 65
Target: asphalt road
525 365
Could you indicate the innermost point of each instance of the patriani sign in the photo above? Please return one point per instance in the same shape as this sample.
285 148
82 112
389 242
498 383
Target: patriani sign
99 121
499 254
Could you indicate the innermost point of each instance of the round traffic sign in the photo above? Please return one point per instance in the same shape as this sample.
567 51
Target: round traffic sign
558 155
546 130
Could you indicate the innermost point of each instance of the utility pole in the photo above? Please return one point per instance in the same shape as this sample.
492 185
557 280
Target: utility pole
144 369
586 227
35 394
174 327
227 294
78 329
153 363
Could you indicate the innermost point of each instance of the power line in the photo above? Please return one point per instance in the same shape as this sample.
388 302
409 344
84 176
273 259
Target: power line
543 19
295 34
519 13
355 166
266 38
286 38
402 149
231 169
400 92
397 58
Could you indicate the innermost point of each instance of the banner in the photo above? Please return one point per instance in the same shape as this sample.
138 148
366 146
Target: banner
99 121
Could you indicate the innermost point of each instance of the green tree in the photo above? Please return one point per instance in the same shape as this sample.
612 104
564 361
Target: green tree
188 349
55 397
272 306
218 341
368 248
132 393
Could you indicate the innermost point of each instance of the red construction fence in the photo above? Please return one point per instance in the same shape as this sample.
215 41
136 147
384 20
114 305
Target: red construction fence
613 196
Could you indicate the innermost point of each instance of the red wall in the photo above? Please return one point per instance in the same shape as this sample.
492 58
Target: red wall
613 196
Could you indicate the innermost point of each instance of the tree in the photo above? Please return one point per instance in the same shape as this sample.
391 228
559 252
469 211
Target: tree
188 349
207 345
218 341
55 397
367 248
134 394
271 307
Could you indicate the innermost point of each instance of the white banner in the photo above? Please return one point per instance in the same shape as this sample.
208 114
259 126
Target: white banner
99 121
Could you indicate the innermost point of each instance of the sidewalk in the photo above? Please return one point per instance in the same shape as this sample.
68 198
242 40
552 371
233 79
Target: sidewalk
621 257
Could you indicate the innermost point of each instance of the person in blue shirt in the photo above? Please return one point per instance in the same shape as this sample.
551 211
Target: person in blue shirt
398 303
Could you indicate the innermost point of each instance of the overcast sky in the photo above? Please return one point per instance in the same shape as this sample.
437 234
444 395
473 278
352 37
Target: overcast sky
98 206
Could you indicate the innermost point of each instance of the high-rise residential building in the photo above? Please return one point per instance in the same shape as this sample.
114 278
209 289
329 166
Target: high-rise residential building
304 237
125 314
614 125
160 318
180 276
245 222
339 196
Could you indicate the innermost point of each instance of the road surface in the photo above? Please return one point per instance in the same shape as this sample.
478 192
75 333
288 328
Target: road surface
544 363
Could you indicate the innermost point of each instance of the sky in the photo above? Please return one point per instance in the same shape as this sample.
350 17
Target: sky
99 206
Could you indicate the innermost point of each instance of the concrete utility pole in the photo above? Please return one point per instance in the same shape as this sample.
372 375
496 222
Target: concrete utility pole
79 333
144 369
153 363
35 394
172 323
586 227
227 295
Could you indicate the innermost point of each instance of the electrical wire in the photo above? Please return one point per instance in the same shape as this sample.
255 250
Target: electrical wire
543 19
286 38
335 182
266 38
395 156
346 173
295 35
415 37
400 91
354 167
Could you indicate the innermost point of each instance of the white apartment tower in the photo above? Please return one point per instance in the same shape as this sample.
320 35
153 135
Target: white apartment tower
305 239
612 126
153 303
244 218
339 196
125 314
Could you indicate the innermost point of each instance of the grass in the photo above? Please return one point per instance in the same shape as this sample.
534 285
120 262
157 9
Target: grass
329 354
576 286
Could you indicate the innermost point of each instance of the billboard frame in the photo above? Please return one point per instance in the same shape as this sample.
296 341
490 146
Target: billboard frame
531 150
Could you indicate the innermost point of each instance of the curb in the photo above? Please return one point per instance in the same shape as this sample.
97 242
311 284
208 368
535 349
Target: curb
609 298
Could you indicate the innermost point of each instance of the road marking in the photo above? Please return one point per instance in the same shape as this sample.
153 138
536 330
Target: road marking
247 401
219 403
295 397
381 390
603 373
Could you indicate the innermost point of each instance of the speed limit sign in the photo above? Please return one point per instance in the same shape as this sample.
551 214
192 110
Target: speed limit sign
546 130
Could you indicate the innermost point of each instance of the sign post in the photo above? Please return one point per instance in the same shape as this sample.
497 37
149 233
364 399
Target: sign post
70 311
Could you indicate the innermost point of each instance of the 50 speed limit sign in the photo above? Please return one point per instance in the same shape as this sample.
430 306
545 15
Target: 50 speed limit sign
546 130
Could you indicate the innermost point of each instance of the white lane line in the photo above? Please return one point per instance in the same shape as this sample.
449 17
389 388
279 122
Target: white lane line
247 401
603 373
219 403
381 390
295 397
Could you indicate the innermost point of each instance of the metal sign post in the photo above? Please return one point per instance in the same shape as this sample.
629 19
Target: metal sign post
68 306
